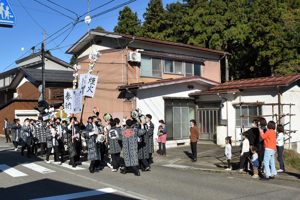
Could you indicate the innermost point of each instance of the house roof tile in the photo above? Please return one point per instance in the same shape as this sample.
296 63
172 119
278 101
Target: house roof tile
170 81
262 82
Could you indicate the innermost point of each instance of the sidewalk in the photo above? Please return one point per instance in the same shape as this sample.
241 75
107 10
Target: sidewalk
210 158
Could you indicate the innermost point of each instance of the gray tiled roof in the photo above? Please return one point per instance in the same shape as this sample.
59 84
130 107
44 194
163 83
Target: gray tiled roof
59 76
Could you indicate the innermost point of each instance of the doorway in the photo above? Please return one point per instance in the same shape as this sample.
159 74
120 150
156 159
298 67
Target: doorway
208 120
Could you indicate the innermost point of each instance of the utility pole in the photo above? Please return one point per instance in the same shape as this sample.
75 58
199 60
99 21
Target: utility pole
43 68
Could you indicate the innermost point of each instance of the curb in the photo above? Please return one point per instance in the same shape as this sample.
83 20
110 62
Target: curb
231 172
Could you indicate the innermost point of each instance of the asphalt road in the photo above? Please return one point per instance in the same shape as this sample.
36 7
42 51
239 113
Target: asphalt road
160 183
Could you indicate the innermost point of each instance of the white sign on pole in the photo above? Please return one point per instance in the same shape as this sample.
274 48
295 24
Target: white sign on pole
72 101
88 84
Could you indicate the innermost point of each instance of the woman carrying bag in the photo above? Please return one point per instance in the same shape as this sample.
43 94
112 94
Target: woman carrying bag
162 137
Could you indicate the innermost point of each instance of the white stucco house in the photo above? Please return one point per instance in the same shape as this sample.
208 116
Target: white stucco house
257 97
169 100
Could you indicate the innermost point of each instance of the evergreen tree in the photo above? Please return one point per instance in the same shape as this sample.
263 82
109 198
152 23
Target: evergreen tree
155 20
100 28
128 22
73 60
278 49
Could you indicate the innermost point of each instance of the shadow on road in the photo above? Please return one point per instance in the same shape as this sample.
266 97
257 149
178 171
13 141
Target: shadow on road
49 188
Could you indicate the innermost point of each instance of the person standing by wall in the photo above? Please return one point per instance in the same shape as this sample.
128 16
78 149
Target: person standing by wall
162 138
280 146
193 139
6 129
270 147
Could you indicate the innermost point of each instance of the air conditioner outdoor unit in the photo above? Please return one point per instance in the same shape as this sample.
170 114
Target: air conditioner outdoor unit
133 57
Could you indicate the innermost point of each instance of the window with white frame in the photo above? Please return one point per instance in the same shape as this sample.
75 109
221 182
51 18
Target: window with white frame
246 111
151 67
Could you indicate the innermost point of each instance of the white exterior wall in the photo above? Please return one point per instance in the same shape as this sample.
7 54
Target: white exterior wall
154 105
292 95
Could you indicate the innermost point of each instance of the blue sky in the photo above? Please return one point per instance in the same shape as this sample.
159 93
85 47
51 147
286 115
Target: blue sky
26 33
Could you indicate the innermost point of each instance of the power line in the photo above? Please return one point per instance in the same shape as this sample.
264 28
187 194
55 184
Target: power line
63 7
97 7
111 9
54 9
35 9
31 16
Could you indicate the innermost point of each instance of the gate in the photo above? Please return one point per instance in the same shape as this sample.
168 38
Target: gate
208 120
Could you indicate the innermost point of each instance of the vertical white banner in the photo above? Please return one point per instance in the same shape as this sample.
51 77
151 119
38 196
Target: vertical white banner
88 84
72 101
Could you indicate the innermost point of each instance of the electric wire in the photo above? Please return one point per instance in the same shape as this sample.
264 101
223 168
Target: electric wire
63 7
36 9
31 16
97 8
53 9
111 9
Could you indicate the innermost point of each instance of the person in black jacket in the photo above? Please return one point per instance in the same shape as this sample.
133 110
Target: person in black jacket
6 128
16 132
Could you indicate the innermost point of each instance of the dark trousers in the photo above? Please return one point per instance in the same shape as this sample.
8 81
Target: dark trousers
194 149
134 168
28 145
143 163
28 150
163 150
92 165
61 150
115 160
77 145
43 145
7 136
261 152
15 144
149 160
280 150
228 162
244 160
34 148
55 153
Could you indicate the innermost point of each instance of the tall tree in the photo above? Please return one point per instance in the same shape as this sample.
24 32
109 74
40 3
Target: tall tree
73 60
129 23
275 54
100 28
155 20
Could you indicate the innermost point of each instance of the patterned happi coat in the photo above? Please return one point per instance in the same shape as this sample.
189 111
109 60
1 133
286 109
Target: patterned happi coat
93 150
49 138
15 132
130 146
143 149
114 144
150 131
71 145
41 131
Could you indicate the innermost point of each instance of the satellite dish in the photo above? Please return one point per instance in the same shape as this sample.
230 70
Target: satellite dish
40 88
87 19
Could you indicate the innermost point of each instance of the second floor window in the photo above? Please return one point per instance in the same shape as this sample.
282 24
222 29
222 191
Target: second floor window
151 67
154 67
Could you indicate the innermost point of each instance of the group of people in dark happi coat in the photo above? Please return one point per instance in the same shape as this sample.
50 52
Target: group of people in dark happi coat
134 141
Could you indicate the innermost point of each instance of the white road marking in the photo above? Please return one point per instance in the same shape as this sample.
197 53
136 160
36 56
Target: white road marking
177 166
38 168
80 194
11 171
70 167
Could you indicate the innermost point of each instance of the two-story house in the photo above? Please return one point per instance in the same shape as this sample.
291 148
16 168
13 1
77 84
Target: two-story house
153 75
19 92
